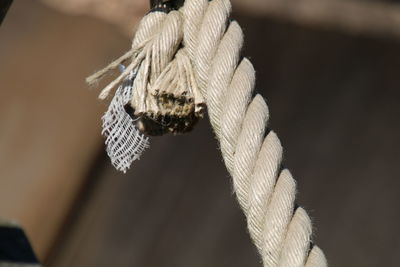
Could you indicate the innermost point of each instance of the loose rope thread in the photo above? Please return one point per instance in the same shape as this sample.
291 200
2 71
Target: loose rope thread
280 230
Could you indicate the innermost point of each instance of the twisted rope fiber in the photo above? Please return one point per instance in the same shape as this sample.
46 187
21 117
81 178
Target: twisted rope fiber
265 193
252 154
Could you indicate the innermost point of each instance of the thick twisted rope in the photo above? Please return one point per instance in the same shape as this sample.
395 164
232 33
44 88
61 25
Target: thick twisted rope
252 154
280 230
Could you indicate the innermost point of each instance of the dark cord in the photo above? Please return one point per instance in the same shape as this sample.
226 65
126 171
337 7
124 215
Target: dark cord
174 4
4 6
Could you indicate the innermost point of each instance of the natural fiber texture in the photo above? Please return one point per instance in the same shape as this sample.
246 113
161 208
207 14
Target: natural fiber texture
280 230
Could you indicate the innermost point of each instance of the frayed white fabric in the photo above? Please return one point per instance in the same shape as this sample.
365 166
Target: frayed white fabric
125 143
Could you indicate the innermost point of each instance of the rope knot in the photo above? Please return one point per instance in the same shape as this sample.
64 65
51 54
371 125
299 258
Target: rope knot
165 96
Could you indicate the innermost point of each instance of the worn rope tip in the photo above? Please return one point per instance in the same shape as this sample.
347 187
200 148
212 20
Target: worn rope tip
157 87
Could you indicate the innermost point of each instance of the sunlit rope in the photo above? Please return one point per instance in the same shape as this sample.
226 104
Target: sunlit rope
201 33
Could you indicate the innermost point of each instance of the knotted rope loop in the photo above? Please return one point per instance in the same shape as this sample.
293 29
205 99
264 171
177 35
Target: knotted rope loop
196 51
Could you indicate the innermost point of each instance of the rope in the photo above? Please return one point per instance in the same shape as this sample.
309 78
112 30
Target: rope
280 230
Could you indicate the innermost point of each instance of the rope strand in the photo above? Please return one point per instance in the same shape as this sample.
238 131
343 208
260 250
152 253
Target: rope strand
281 235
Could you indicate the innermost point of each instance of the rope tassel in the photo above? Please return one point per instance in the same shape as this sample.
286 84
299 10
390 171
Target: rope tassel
157 92
177 95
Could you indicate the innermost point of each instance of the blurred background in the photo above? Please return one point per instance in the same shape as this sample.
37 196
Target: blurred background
330 71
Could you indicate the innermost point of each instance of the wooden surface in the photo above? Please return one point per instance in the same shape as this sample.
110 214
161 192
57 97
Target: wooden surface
49 120
333 100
